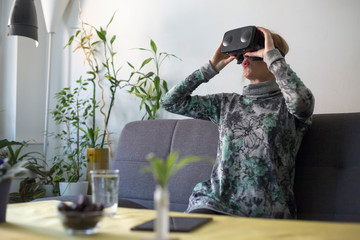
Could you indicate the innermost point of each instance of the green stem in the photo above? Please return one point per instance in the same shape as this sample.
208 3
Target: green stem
77 141
93 140
108 117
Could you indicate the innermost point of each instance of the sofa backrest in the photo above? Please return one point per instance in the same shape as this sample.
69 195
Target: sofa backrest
139 138
327 181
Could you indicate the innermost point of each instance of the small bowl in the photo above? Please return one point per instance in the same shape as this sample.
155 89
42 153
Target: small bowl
84 223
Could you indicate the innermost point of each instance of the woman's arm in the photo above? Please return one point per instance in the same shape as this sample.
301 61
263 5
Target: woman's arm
299 99
179 100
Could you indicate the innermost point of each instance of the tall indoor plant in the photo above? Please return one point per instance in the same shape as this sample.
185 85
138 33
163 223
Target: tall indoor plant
101 67
97 46
70 114
90 45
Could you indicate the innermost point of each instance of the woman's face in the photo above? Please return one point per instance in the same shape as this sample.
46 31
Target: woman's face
256 71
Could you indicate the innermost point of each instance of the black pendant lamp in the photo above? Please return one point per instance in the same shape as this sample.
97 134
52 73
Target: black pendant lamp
23 19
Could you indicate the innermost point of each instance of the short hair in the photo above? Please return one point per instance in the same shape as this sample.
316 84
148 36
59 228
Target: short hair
280 43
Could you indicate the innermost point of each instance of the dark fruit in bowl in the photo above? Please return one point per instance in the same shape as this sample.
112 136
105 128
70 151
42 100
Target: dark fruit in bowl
82 217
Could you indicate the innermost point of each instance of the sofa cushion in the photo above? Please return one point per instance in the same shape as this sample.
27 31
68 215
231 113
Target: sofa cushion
328 169
139 138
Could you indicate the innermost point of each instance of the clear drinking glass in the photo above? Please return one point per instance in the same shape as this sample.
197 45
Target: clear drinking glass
105 188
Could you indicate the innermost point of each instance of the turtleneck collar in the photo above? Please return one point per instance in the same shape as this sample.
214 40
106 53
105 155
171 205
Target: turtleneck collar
261 90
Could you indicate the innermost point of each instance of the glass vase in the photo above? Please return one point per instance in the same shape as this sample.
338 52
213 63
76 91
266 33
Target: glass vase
161 199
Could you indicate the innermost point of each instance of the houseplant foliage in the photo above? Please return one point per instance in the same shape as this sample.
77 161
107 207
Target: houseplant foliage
8 170
149 86
71 113
162 170
101 68
33 162
12 164
97 46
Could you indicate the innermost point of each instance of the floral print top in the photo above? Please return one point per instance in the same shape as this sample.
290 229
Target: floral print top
260 133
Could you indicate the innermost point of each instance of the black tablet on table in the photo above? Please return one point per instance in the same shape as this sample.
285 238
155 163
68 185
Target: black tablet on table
177 224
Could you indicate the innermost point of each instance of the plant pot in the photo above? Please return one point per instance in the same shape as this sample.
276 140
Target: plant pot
161 199
97 159
4 195
73 188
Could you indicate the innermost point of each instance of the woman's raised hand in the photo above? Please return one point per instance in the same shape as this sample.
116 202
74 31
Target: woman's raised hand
269 44
219 60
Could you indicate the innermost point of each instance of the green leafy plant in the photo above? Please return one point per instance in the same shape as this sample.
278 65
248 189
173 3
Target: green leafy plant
16 155
163 169
13 163
149 87
71 113
100 68
97 46
7 170
29 190
43 176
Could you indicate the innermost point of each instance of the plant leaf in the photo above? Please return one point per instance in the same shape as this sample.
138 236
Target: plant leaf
101 35
153 46
112 39
146 61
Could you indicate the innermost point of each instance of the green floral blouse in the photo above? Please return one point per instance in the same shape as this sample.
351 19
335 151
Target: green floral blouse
260 133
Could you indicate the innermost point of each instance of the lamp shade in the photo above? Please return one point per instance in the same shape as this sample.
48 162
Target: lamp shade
53 11
23 19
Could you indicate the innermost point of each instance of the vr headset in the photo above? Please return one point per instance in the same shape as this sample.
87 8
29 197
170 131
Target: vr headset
238 41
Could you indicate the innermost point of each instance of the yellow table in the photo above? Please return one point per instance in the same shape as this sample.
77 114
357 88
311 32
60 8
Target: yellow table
38 220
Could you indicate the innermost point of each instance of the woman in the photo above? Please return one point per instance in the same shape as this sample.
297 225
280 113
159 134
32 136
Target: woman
260 133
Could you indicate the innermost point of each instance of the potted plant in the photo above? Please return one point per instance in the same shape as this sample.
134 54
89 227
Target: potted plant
27 187
13 150
71 113
8 172
100 68
97 47
147 86
44 181
162 170
37 185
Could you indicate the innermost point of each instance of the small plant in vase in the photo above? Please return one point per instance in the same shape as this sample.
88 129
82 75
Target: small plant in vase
162 170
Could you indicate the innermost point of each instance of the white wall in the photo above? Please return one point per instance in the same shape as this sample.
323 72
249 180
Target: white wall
22 83
7 78
323 36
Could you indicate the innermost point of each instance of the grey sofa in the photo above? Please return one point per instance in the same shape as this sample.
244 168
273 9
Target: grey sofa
327 181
